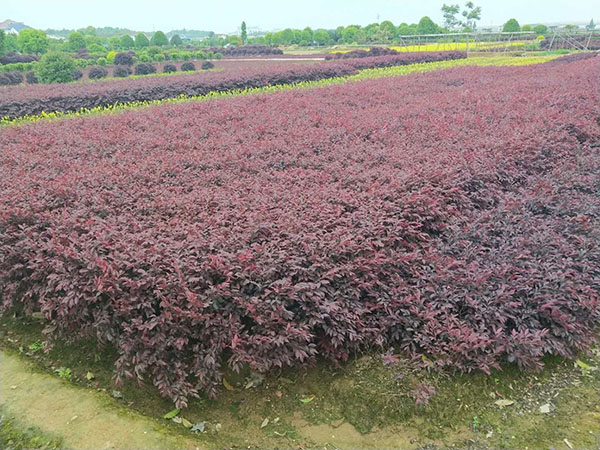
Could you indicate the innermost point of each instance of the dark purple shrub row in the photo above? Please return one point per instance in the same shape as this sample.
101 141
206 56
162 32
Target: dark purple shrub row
573 58
207 65
247 50
31 77
272 230
403 59
14 58
374 51
582 41
20 101
11 78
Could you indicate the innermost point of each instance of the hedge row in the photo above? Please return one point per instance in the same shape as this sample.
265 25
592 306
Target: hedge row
247 50
269 231
30 100
374 51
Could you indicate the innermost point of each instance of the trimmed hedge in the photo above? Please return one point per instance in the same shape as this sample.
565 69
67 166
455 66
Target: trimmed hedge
121 72
188 67
97 73
207 65
144 69
169 68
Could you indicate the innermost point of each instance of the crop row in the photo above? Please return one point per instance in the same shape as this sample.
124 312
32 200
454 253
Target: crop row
460 224
20 101
241 65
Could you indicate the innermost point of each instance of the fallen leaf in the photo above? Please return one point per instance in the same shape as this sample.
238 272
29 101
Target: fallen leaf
116 394
177 419
276 420
186 423
172 413
90 376
198 427
504 402
279 394
307 399
218 427
583 365
566 441
265 422
545 409
228 386
256 379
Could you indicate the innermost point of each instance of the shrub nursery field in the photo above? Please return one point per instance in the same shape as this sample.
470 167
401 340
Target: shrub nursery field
17 101
450 216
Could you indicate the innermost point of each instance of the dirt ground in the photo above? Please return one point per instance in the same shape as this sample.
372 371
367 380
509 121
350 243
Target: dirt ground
67 396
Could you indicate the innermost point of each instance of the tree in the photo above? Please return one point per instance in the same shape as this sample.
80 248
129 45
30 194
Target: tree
75 41
387 31
470 15
244 33
159 39
427 26
450 12
372 32
10 43
55 68
114 43
512 26
32 41
176 40
591 26
540 29
96 48
2 42
405 29
526 28
307 35
321 37
126 42
350 34
141 41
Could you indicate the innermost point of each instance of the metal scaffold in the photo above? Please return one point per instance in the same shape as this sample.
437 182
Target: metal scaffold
504 42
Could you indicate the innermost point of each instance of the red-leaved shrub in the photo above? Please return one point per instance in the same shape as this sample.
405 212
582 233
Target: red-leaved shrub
30 100
454 214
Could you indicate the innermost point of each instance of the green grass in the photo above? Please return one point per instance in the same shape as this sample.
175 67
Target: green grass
15 435
364 393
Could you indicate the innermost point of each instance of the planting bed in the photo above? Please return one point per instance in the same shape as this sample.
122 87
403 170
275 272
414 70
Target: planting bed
452 215
18 101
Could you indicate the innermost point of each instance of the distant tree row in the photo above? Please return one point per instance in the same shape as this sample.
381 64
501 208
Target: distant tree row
37 42
95 41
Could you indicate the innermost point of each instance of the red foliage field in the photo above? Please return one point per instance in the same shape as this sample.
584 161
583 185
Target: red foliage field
18 101
453 214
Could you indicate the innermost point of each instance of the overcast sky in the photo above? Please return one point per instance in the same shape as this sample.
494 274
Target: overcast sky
225 16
